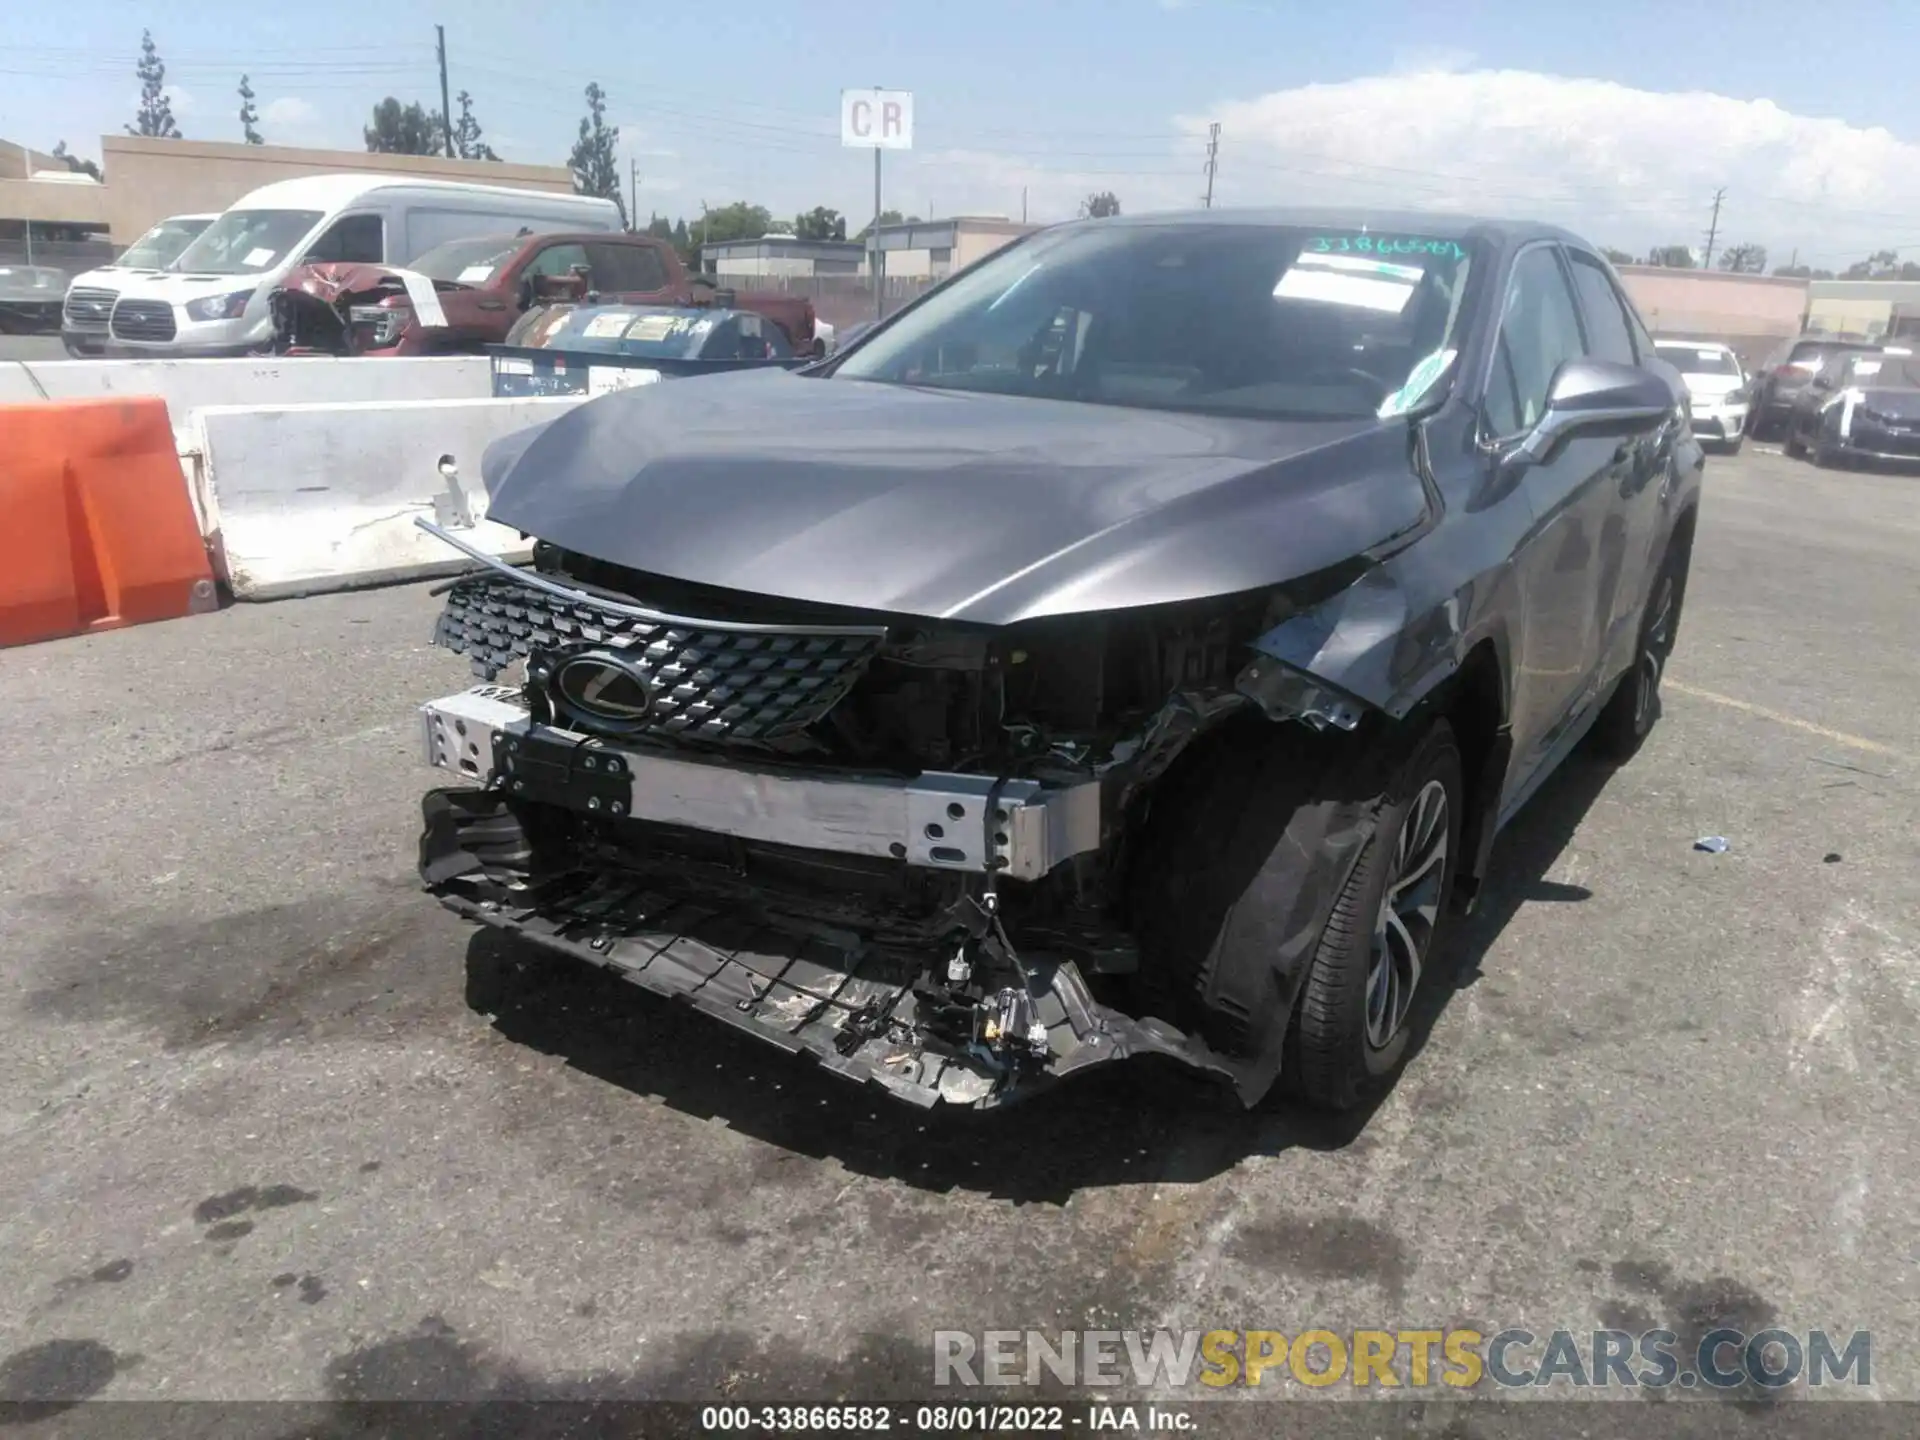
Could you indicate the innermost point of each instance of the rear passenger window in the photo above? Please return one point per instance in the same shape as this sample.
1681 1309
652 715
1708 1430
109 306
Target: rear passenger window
1608 335
1539 331
350 240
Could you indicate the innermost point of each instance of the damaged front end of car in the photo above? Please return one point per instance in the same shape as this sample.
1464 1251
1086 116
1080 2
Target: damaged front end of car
906 848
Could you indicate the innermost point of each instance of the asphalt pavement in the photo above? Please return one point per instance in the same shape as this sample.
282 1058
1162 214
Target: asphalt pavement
277 1127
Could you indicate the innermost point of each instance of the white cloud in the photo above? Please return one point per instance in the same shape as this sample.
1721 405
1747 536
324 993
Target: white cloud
181 99
1626 167
289 112
1430 59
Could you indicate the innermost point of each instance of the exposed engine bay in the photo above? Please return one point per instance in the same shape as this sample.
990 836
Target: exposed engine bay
902 846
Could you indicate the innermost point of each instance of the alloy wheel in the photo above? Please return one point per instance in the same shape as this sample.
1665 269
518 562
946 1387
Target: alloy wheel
1409 912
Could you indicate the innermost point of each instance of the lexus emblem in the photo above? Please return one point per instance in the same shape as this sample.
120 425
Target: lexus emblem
606 687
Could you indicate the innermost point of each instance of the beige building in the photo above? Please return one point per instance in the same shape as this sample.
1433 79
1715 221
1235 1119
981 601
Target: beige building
1857 307
934 249
148 180
1745 311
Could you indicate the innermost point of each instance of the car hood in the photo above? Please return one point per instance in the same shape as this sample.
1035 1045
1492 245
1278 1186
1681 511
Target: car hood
949 504
331 280
179 288
1710 387
109 276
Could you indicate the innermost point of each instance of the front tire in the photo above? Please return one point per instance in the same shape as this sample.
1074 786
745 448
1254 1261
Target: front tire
1259 875
1351 1022
1795 446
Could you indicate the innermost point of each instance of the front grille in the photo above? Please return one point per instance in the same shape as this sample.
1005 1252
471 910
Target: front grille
90 307
143 320
712 680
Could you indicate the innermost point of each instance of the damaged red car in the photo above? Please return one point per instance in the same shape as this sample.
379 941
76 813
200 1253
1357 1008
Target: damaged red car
462 296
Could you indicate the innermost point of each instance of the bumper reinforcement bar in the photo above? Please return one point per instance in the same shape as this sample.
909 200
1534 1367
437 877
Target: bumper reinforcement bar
1020 829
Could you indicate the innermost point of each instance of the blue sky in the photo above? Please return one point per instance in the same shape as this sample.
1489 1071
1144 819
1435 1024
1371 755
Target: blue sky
1621 119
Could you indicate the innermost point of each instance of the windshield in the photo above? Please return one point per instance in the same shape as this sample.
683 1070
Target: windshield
1234 319
246 242
161 245
1710 360
473 261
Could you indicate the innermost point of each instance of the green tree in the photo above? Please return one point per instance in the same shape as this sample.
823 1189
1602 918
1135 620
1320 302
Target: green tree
660 228
738 221
404 130
467 143
75 163
1101 205
1616 257
1881 265
596 170
1746 259
1673 257
155 116
249 117
820 223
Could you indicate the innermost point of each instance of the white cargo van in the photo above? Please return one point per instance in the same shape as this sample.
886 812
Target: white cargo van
214 300
90 297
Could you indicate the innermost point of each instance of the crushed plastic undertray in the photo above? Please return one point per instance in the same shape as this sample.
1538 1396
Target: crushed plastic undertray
813 991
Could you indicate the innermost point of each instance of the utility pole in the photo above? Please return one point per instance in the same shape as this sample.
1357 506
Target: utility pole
879 260
1213 158
446 105
1713 227
633 193
1023 204
26 173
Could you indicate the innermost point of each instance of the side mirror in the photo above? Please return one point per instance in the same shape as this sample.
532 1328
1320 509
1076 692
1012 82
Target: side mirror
1598 397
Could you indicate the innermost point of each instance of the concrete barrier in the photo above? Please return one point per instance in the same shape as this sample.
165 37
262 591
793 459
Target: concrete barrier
186 385
299 499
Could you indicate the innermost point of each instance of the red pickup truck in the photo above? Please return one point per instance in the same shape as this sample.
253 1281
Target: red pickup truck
467 294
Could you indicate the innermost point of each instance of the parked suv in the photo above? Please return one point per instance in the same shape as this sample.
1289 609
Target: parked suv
1778 382
1130 648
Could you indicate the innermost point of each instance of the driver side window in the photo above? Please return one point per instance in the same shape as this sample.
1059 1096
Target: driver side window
557 260
1539 331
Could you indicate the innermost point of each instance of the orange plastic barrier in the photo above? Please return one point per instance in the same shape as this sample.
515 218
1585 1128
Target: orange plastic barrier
96 527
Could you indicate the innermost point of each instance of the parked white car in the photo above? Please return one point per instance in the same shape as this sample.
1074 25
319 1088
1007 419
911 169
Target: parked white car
215 300
90 296
1716 389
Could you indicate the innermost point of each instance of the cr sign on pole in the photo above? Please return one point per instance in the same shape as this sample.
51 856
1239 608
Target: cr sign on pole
880 118
877 120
